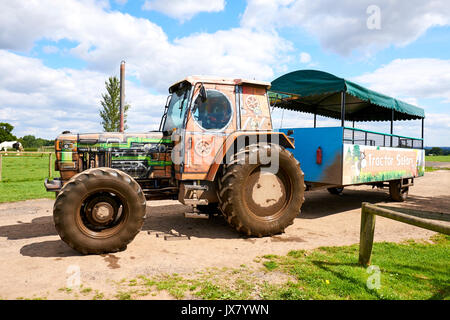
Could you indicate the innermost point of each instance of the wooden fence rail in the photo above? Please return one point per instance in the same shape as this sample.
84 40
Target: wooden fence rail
368 213
20 153
26 154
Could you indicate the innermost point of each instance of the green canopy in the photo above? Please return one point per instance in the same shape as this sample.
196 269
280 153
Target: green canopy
320 93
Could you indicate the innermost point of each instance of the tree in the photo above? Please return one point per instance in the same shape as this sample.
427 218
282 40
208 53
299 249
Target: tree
110 112
5 132
436 151
30 141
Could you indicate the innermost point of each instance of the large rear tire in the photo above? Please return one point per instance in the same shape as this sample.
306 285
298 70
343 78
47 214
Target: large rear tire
99 210
257 201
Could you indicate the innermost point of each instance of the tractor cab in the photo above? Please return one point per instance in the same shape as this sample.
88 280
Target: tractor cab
203 112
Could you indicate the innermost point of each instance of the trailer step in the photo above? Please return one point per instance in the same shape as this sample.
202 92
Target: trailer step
195 215
408 184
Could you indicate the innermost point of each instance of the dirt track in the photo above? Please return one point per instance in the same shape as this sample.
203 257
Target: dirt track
34 261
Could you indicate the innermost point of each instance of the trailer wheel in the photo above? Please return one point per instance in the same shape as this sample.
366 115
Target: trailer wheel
256 201
336 191
397 192
99 210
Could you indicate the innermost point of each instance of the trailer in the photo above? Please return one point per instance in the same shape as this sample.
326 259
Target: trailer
336 157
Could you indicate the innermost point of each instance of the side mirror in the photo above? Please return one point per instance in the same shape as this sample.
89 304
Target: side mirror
202 94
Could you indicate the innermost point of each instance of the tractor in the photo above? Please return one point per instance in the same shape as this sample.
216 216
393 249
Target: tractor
215 150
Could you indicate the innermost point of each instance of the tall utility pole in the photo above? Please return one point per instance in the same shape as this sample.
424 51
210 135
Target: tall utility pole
122 93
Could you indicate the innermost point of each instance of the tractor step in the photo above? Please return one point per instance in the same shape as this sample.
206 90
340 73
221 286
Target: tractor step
53 185
198 202
195 187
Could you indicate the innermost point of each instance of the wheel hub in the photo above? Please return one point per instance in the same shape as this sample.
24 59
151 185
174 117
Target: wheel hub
102 212
266 193
267 190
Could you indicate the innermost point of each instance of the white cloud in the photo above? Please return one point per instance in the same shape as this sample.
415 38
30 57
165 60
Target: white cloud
230 53
104 38
305 57
414 80
411 78
43 101
183 10
342 26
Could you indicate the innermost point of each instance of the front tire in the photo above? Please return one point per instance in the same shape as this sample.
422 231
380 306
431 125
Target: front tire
256 201
99 210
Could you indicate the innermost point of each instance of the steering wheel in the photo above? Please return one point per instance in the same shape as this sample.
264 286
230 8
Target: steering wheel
212 118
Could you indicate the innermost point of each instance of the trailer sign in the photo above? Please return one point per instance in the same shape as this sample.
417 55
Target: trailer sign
370 164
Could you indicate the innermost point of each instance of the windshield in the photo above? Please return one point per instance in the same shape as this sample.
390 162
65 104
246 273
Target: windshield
177 108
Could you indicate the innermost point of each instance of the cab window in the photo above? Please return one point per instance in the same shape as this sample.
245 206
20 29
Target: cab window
177 108
214 113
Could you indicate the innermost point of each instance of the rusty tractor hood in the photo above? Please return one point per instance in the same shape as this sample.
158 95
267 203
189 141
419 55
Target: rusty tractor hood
138 154
109 141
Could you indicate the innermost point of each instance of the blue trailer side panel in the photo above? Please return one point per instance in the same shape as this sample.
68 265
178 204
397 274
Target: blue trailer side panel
330 141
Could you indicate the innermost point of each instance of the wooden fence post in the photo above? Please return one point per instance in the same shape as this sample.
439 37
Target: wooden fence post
50 165
366 236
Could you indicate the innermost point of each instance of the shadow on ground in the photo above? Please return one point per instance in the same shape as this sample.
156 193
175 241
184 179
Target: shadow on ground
317 204
48 249
163 219
38 227
320 203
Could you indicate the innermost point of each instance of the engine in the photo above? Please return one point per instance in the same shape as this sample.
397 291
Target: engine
145 157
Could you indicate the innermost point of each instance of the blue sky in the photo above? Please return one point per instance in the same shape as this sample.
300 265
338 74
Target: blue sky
56 54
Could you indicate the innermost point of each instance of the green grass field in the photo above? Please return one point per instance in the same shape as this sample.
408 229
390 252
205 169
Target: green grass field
411 270
23 177
438 158
407 271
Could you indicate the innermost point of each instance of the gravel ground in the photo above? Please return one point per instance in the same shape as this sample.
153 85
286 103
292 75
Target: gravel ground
35 263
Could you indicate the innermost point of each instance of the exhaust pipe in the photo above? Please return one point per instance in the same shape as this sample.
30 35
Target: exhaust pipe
122 94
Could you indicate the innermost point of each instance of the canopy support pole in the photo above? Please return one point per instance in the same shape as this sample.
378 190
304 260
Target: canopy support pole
392 127
353 133
423 120
315 120
342 108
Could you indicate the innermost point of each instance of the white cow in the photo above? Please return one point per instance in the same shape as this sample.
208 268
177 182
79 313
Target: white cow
4 146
